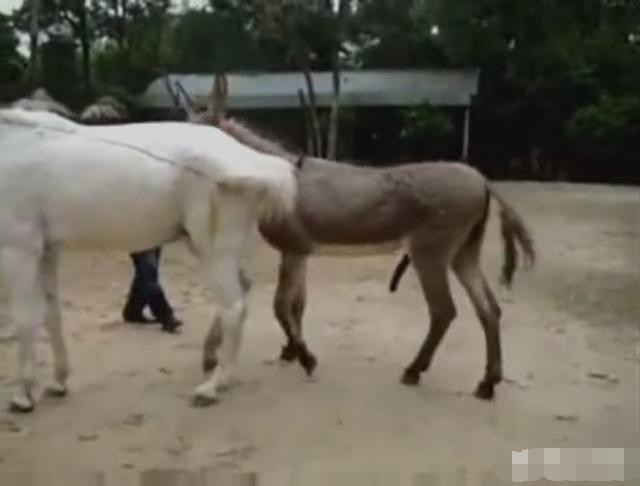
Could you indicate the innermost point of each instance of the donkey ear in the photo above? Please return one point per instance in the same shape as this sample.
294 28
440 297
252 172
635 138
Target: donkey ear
218 98
187 104
300 161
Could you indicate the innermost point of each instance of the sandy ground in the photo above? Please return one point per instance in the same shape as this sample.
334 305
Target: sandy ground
129 413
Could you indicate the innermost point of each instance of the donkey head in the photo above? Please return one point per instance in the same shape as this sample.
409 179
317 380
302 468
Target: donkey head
213 113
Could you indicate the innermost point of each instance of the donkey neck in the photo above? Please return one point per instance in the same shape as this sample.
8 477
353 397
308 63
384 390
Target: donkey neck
247 136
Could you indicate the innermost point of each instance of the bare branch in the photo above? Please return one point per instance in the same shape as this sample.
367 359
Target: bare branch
311 149
175 98
189 104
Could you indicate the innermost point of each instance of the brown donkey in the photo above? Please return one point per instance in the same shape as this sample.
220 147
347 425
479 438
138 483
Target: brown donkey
437 210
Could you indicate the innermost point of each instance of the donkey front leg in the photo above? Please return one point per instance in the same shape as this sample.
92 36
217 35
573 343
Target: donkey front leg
21 269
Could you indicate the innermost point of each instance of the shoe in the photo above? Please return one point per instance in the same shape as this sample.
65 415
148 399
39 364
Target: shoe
171 325
138 319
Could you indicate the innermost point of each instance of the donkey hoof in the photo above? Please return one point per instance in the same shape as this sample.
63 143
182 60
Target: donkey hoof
410 377
308 362
288 353
21 405
202 401
56 390
485 391
209 364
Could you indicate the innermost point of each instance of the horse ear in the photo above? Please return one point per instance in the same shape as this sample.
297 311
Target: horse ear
300 161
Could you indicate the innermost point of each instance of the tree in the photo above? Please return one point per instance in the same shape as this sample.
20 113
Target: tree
12 65
606 135
311 35
134 36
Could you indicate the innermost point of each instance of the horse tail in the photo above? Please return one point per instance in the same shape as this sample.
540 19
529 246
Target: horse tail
273 184
514 234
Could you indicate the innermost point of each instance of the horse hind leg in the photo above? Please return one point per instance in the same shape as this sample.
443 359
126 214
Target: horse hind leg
221 248
434 280
52 320
27 306
467 268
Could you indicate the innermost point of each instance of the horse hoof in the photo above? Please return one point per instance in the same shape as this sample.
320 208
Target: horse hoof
288 353
21 406
485 391
56 390
209 364
410 378
202 401
308 362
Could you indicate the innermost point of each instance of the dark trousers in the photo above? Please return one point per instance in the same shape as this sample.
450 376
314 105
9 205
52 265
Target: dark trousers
145 289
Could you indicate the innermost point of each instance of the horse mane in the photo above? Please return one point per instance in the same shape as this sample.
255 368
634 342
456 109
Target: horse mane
248 136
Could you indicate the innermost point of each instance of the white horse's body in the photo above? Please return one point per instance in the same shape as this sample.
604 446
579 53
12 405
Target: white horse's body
128 187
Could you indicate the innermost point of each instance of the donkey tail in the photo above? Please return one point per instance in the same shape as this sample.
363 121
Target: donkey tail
514 234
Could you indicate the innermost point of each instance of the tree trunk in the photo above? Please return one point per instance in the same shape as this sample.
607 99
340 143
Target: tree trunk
332 129
34 48
313 109
311 149
84 42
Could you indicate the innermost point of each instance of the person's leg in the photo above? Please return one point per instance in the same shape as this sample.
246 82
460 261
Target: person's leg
155 297
135 304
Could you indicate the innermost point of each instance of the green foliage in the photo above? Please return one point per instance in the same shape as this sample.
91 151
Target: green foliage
204 42
428 130
608 131
425 120
558 77
12 66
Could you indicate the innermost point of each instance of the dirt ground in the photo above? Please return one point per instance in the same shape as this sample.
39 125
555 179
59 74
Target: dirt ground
129 413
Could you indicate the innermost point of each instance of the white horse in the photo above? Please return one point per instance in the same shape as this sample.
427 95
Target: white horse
127 187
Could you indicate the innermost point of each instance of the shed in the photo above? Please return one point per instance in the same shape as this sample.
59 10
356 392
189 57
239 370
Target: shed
362 88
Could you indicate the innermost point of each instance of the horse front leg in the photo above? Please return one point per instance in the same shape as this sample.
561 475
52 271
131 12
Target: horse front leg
288 305
21 269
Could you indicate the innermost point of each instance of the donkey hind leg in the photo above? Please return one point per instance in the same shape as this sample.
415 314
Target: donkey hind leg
52 320
467 268
434 280
28 305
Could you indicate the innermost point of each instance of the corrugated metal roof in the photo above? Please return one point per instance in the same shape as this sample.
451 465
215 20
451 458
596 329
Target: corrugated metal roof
359 88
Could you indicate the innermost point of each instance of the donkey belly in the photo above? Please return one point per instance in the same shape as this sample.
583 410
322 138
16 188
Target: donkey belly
358 250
